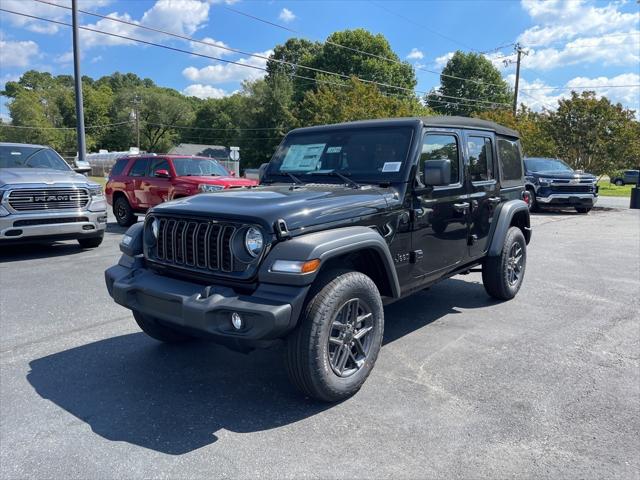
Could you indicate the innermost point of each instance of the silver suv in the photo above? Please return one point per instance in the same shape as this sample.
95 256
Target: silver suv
43 199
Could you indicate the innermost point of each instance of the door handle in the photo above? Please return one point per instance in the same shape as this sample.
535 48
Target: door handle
461 207
494 200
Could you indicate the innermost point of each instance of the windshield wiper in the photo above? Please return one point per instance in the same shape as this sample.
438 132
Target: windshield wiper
294 178
335 173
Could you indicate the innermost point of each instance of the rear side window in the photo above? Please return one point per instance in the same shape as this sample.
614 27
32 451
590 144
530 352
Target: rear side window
119 167
139 168
480 159
510 160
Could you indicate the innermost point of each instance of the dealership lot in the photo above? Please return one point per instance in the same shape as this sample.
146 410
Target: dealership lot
545 385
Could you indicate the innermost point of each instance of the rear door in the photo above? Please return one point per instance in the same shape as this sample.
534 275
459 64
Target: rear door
440 215
138 176
483 187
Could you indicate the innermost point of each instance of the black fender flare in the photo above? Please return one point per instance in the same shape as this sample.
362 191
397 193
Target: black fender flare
326 245
503 220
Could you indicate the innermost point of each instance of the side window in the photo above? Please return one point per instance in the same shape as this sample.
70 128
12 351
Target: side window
510 160
159 164
441 147
480 159
119 167
139 168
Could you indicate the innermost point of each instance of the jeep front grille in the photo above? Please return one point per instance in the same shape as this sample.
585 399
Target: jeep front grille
196 244
38 199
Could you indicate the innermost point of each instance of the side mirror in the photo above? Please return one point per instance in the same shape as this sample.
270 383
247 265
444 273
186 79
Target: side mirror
232 173
162 173
437 172
261 171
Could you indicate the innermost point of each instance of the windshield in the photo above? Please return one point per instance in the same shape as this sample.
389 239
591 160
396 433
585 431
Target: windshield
373 155
546 165
31 157
198 167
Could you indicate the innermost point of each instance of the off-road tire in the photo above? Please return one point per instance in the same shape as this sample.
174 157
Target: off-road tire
583 209
91 242
123 212
158 331
307 356
495 270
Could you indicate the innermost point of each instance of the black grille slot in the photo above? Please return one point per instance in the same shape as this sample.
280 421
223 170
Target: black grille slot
572 188
196 244
48 221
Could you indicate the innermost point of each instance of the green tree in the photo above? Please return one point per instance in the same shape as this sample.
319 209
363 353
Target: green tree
459 96
594 134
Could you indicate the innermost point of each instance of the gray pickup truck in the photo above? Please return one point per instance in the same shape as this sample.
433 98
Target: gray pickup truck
43 199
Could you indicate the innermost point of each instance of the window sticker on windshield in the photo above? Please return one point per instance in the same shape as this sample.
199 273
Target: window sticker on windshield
334 149
302 158
391 166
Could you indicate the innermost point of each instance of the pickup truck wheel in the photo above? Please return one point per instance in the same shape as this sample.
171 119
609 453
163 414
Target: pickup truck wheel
338 338
502 275
90 242
123 212
532 203
154 329
583 209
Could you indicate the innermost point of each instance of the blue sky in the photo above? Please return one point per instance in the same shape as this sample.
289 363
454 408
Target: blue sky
577 43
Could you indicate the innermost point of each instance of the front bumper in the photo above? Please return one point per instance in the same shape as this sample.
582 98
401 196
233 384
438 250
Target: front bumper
568 199
269 312
72 224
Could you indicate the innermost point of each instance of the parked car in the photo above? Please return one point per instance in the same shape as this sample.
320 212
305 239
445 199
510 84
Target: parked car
553 183
628 177
42 198
137 183
348 218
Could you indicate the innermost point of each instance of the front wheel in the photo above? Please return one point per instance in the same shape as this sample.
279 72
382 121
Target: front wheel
583 209
619 182
158 331
91 242
338 338
502 275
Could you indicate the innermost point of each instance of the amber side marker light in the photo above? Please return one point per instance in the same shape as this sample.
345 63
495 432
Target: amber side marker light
294 266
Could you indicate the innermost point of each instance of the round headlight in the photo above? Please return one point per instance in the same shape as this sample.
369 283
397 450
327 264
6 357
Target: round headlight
253 241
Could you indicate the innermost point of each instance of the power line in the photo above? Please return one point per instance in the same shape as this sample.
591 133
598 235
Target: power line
62 128
582 87
146 42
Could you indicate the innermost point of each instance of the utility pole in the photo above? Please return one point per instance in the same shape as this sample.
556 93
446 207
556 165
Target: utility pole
136 113
78 83
519 51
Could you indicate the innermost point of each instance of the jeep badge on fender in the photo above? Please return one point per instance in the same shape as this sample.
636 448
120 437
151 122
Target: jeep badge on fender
347 219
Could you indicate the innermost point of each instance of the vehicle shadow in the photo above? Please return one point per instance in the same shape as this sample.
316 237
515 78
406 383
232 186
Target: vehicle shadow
33 251
174 398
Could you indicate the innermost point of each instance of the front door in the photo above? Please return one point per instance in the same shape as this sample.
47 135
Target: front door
157 188
441 215
485 193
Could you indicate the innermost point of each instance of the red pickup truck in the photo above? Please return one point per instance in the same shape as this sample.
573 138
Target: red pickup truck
138 183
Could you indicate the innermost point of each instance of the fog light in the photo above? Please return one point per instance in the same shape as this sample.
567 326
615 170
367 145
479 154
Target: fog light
236 321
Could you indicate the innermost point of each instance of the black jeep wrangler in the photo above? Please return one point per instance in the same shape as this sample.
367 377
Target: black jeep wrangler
348 218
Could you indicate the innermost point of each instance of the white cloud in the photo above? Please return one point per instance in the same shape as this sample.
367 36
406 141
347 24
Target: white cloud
96 59
41 10
441 61
560 20
213 48
66 57
204 91
221 73
182 17
17 54
286 15
415 54
537 94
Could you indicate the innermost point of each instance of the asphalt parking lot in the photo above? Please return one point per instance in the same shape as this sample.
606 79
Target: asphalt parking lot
547 385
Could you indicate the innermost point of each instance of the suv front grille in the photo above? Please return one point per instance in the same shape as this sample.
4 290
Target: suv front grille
38 199
196 244
572 188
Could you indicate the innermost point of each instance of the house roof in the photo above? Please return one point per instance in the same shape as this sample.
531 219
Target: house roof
198 150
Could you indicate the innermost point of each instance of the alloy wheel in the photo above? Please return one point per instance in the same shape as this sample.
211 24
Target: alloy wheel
350 337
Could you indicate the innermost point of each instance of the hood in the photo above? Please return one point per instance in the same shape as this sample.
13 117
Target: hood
226 180
561 175
48 176
300 207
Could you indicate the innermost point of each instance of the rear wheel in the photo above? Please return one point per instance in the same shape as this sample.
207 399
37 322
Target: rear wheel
338 338
91 242
502 275
154 329
123 212
583 209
